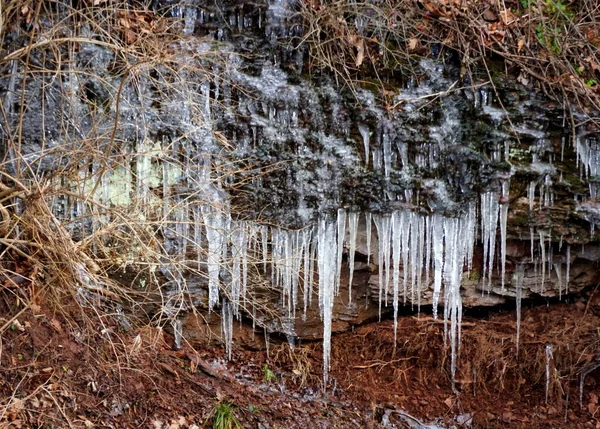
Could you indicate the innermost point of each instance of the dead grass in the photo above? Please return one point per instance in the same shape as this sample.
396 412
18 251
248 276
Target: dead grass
551 44
62 233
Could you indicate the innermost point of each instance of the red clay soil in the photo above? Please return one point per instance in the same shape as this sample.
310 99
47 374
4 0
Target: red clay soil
83 370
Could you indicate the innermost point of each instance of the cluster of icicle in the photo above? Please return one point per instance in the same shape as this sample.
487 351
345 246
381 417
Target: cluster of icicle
416 252
412 249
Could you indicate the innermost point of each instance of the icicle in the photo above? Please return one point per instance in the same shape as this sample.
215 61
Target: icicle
543 250
326 237
413 251
267 341
227 327
341 233
397 236
519 274
264 234
428 242
548 360
308 275
437 244
558 269
214 222
454 260
568 273
387 153
405 237
311 269
298 252
531 242
177 332
353 228
421 262
365 133
368 224
489 222
239 245
503 229
198 236
275 256
382 223
531 195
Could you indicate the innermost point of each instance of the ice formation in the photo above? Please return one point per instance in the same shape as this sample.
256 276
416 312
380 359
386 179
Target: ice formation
418 248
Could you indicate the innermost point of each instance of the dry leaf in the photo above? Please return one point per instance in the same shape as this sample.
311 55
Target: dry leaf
56 325
358 44
507 17
489 15
413 43
449 402
520 45
137 344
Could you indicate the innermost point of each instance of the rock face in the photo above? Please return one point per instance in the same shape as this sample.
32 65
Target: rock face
224 142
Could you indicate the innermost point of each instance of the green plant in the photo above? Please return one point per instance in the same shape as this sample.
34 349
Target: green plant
268 375
223 417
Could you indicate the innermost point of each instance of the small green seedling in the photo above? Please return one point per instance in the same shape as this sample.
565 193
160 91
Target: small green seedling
268 375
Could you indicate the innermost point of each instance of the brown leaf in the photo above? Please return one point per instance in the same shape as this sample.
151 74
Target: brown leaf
520 45
56 325
124 22
449 402
489 15
357 43
507 17
413 43
130 36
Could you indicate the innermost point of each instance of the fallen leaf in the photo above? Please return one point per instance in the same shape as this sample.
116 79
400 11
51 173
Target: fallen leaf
413 43
520 45
507 17
489 15
56 325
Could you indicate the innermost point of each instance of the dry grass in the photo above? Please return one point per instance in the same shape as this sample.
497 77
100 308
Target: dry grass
64 230
552 44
